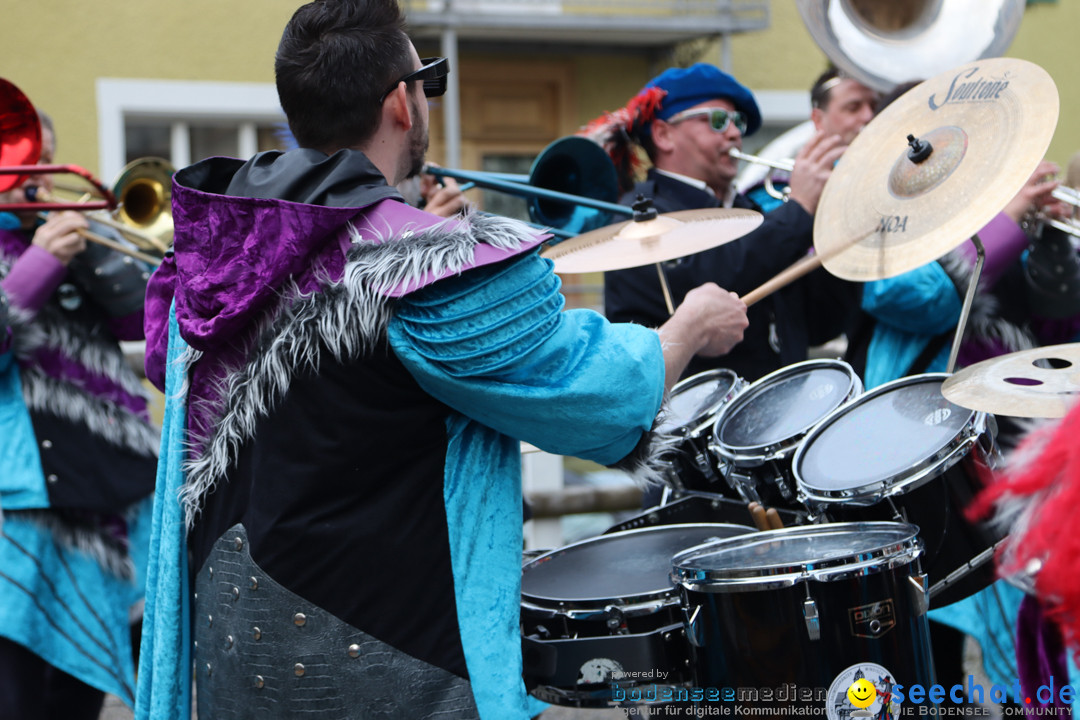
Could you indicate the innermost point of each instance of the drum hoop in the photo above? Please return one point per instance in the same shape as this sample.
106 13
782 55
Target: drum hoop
642 603
705 420
861 562
912 477
754 455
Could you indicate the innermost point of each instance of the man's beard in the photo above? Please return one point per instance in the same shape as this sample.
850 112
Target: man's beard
418 143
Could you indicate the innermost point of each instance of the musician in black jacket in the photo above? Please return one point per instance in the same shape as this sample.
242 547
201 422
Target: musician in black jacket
687 120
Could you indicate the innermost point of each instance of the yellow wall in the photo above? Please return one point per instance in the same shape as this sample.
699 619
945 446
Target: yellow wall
54 50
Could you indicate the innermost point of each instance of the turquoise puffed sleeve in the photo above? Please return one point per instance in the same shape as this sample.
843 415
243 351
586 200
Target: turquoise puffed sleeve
496 345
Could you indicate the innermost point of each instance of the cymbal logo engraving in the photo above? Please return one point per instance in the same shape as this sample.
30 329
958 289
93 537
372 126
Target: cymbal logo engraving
967 90
893 224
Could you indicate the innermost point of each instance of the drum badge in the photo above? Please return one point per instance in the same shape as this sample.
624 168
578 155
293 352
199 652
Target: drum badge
873 620
862 691
937 417
599 670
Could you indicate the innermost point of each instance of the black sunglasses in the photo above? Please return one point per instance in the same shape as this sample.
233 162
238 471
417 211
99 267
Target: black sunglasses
432 71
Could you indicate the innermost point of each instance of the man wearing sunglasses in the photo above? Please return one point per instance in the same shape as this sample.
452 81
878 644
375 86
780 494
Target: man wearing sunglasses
348 381
701 113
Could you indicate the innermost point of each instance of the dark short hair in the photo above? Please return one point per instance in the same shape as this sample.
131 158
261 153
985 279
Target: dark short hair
335 59
821 91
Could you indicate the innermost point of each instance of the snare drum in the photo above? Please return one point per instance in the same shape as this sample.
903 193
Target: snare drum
756 434
904 452
604 611
789 610
691 411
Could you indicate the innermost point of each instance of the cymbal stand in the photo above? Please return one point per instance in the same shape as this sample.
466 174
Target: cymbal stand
969 296
665 289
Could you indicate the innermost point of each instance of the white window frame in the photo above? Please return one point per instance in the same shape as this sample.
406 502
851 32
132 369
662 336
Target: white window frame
179 101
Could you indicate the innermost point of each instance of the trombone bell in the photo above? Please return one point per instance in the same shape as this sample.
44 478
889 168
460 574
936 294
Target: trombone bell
144 193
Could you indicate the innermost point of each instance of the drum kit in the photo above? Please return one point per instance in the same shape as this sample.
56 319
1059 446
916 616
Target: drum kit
870 486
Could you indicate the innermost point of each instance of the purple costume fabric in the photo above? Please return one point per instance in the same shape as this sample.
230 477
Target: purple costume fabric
216 298
1040 654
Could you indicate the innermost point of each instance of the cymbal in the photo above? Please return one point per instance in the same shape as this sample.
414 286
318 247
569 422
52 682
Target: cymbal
634 243
989 123
1038 383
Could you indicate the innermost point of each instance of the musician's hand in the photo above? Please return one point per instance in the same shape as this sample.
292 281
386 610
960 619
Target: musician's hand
813 167
59 236
441 197
1036 195
709 322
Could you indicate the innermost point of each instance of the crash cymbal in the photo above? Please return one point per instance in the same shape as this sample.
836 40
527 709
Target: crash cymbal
881 213
1038 383
644 242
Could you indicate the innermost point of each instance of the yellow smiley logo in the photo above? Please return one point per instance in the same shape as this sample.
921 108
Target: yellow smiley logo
862 693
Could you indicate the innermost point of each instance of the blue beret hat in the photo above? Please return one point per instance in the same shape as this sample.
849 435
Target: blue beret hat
701 82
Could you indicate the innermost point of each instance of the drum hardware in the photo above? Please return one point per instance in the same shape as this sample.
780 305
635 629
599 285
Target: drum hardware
1038 383
811 617
920 593
974 564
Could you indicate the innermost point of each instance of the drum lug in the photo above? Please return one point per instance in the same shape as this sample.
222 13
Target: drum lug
920 593
616 620
813 622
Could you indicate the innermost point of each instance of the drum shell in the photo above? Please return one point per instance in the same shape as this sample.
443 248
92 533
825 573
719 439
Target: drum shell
640 631
932 495
686 431
748 613
758 638
762 471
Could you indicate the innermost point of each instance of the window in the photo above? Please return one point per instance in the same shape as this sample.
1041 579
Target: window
184 122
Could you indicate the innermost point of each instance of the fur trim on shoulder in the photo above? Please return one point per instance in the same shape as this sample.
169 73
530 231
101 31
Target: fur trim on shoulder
347 317
84 535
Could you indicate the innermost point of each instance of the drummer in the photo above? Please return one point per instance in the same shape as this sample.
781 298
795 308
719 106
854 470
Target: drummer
687 120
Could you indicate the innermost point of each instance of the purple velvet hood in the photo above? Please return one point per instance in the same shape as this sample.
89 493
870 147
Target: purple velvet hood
237 245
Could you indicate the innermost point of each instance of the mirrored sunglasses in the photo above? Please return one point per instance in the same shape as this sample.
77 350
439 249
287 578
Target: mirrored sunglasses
719 119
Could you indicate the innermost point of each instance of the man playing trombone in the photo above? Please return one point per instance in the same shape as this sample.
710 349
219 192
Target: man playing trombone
688 120
79 457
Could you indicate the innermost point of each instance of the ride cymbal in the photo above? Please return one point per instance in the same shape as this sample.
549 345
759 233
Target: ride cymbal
884 212
1038 383
634 243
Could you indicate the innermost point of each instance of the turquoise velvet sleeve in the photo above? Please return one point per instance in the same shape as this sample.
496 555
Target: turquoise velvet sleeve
496 345
22 481
923 300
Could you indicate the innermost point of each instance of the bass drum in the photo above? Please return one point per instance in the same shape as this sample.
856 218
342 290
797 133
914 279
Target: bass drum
904 452
602 615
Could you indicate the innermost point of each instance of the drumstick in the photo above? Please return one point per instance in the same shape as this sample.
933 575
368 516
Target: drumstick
758 514
796 270
784 278
773 517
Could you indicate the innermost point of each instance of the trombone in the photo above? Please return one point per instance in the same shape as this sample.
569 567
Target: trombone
143 187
